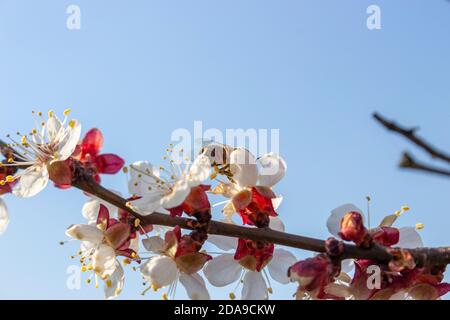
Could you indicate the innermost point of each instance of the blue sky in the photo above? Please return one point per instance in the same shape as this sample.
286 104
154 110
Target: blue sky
310 68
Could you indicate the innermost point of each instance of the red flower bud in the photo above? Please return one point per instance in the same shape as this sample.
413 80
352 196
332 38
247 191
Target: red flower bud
352 229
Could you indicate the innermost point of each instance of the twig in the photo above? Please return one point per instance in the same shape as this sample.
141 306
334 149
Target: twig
410 134
408 162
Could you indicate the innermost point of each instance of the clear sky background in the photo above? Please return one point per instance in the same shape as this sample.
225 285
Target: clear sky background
140 69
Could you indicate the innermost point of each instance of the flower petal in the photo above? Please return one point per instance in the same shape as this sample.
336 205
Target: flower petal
154 244
409 238
334 221
276 224
92 142
32 181
114 285
181 190
109 163
84 232
67 145
199 171
104 261
4 217
53 127
161 271
222 270
195 286
92 207
273 169
222 242
255 287
243 167
278 267
347 266
148 203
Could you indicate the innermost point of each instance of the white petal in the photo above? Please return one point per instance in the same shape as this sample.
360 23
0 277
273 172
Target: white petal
92 207
273 169
116 285
195 286
141 177
222 270
277 202
199 171
276 224
243 167
4 217
409 238
148 203
53 127
84 232
222 242
334 221
279 265
154 244
32 181
68 144
104 261
181 190
347 265
255 287
161 271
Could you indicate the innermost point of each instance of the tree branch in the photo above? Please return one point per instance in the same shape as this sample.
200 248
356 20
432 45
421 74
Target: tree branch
423 256
410 134
408 162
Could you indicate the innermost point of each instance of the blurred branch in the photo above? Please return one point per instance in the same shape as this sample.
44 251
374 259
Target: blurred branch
408 162
410 134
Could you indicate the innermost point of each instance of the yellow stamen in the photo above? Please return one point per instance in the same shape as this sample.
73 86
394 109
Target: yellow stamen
40 114
88 281
50 114
405 208
72 123
126 261
83 269
108 283
66 112
155 287
270 290
420 226
125 169
2 182
9 179
164 296
34 131
24 140
10 160
232 296
213 176
137 222
90 267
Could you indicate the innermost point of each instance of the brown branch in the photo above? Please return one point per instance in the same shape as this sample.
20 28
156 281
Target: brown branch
410 134
423 256
408 162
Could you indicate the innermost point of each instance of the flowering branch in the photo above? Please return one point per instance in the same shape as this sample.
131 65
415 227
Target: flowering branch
160 196
422 256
